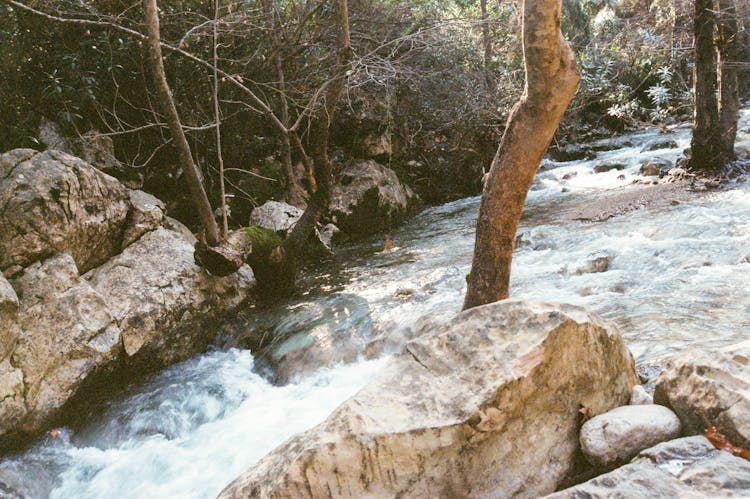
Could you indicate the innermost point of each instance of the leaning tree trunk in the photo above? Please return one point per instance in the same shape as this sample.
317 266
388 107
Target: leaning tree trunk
706 146
175 126
728 48
551 82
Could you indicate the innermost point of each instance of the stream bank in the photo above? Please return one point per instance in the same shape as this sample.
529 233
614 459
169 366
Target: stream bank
676 278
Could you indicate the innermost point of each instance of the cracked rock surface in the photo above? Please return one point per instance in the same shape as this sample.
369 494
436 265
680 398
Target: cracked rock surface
710 388
684 468
483 406
52 202
95 279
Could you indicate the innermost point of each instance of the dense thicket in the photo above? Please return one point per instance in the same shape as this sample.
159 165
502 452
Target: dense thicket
426 94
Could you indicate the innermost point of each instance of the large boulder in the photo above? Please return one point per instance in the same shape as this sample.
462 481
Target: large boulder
684 468
484 406
53 202
162 300
9 326
67 333
12 406
369 197
710 388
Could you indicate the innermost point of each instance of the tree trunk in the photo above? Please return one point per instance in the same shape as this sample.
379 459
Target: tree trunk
551 82
281 265
486 39
295 193
175 126
707 152
727 45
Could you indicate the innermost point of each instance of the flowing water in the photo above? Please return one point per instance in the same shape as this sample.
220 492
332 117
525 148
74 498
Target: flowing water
678 276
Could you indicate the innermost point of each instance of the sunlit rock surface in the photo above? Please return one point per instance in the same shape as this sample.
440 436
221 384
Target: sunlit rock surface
685 468
141 294
710 388
486 405
616 436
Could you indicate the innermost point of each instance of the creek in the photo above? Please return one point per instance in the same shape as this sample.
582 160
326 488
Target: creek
675 277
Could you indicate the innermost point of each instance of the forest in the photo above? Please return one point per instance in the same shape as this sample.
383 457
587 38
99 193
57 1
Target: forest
374 248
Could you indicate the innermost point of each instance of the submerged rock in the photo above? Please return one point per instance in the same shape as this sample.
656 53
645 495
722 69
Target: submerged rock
53 202
369 197
710 388
657 144
596 263
616 436
682 468
609 166
485 405
656 167
572 152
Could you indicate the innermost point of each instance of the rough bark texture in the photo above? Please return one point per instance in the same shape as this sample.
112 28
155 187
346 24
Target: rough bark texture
728 47
706 144
484 406
166 102
551 81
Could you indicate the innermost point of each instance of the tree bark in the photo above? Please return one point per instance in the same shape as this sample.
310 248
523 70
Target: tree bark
486 39
707 151
166 102
728 47
295 193
552 79
277 272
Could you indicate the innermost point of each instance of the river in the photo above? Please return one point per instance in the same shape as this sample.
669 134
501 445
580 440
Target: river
678 277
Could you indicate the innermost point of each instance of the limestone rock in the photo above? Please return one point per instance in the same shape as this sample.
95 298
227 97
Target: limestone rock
378 145
12 405
52 203
98 150
616 436
67 332
640 396
657 144
483 406
282 217
609 166
9 326
275 215
50 134
146 214
369 197
656 167
161 298
684 468
596 263
572 152
710 388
